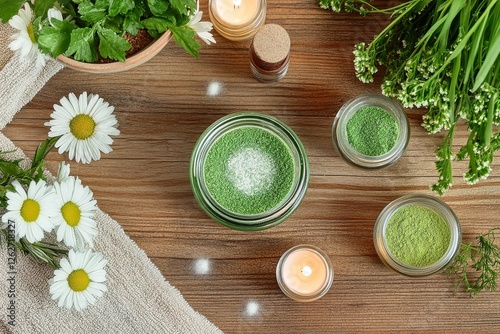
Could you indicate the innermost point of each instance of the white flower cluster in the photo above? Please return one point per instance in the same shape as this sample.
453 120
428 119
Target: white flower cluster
68 208
334 5
364 63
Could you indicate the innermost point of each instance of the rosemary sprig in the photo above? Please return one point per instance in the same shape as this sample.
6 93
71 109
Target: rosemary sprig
42 252
477 266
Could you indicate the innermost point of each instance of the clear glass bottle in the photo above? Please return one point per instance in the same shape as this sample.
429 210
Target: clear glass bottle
237 20
273 216
340 139
304 273
270 53
429 202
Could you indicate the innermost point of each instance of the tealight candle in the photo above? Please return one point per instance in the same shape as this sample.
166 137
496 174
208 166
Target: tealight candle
237 20
304 273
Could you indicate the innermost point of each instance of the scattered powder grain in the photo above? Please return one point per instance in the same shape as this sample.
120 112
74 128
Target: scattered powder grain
214 88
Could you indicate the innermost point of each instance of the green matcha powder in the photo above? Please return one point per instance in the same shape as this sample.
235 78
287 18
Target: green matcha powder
249 170
417 236
372 131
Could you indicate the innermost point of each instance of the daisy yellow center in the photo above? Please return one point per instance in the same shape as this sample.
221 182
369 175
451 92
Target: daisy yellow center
30 210
31 33
71 213
78 280
82 126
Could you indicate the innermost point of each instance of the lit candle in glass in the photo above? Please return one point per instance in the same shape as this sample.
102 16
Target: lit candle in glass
237 20
304 273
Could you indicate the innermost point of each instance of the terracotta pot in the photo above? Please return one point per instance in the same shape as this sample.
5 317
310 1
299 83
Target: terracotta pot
137 59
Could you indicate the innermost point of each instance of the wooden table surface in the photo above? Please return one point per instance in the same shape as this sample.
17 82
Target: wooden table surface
162 108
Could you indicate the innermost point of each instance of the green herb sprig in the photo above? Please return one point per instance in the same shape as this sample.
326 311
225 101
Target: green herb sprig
442 55
477 266
11 170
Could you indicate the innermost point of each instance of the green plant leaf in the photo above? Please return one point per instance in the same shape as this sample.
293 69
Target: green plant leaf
90 13
180 5
9 8
55 39
42 6
111 45
120 7
156 24
489 61
158 7
82 45
184 36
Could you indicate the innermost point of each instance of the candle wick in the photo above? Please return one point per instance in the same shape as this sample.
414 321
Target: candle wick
306 271
236 3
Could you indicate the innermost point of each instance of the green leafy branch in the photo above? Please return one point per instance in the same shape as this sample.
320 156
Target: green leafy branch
477 266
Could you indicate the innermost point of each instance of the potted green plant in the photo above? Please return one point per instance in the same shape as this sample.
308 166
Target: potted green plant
102 35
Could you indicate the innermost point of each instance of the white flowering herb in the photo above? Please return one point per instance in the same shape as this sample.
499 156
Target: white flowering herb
444 56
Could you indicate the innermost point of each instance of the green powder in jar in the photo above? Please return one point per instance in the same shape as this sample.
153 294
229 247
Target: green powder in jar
372 131
417 236
249 170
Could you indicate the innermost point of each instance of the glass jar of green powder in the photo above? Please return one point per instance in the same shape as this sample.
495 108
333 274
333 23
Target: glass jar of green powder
417 235
249 171
371 131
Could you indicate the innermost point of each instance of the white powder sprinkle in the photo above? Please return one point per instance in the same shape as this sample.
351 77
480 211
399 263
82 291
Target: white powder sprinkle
251 170
202 266
252 308
214 88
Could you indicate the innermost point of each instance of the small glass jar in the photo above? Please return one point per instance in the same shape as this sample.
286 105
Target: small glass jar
339 131
237 20
304 273
258 221
431 203
270 53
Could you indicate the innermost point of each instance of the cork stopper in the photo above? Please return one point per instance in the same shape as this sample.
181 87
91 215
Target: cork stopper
270 48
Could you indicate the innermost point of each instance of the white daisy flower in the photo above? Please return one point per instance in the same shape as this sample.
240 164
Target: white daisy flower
24 40
84 125
31 211
54 13
202 29
79 280
75 224
62 172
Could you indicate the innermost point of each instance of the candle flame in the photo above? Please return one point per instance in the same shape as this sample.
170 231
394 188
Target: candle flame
306 271
236 3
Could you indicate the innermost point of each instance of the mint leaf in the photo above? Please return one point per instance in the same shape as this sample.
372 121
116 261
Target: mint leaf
9 8
102 4
158 7
120 7
184 36
83 45
156 24
180 5
42 6
90 13
111 45
132 22
55 40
